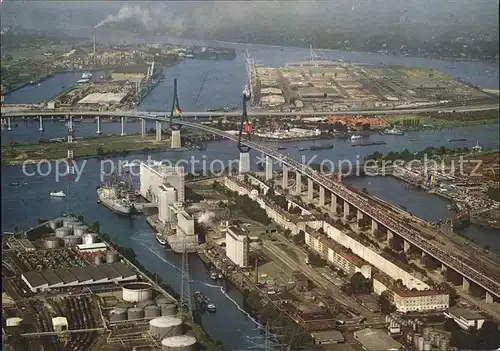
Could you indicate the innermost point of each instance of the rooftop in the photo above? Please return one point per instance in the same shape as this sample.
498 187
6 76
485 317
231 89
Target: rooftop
103 98
416 293
91 246
324 337
375 339
465 313
133 69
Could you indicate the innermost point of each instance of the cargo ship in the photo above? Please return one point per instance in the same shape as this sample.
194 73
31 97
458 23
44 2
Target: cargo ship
115 194
321 147
369 144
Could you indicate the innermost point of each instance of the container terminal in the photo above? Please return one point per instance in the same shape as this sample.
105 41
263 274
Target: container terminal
64 287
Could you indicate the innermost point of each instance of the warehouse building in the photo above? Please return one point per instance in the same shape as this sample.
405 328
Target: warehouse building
77 276
133 73
103 99
421 301
376 340
466 318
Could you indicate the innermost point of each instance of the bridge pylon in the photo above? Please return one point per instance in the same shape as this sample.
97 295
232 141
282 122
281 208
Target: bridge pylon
175 127
244 164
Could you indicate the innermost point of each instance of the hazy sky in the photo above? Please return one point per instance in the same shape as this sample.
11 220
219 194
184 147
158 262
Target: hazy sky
207 16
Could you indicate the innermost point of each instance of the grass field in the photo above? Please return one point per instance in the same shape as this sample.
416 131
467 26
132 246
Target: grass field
418 73
106 145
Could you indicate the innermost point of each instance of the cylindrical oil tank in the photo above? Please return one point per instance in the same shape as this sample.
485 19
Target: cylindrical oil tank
161 327
143 304
427 346
135 313
420 345
89 238
62 232
179 343
52 242
111 257
72 240
68 222
55 223
80 230
168 309
97 259
152 311
137 292
118 315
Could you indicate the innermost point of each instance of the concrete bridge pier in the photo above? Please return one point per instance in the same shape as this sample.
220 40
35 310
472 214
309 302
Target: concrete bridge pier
333 203
8 124
347 209
244 165
489 298
40 118
298 183
310 189
143 128
390 235
176 140
406 246
284 185
99 131
269 168
465 284
375 228
321 196
123 126
359 217
158 131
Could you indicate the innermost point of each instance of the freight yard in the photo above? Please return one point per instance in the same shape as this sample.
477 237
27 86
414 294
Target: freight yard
64 288
338 86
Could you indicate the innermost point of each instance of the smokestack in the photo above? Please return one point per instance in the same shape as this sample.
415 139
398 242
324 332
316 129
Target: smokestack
93 40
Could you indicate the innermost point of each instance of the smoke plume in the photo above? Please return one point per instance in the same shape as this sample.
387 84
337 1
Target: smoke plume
206 217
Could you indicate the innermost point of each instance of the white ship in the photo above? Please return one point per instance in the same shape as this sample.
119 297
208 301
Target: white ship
58 194
86 75
394 131
108 197
356 137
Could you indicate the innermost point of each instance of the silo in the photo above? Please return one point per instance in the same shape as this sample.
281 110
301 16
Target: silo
72 240
52 242
135 313
168 309
420 345
80 230
111 257
55 223
427 346
62 232
152 311
143 304
97 259
179 343
161 327
68 222
118 315
136 292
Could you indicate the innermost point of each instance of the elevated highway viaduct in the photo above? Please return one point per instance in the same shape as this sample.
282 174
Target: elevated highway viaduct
351 201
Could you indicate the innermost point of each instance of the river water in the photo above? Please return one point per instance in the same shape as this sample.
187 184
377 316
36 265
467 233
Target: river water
22 206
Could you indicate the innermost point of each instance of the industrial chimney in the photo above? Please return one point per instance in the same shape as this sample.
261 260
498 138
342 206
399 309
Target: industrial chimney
93 41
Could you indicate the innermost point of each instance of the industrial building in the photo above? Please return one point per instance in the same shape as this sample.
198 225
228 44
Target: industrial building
76 276
103 99
376 339
134 73
466 318
153 177
237 246
421 301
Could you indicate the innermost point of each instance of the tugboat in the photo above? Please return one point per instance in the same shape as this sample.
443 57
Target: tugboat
356 137
58 194
161 238
211 307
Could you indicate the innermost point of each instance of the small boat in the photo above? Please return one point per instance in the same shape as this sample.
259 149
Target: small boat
221 276
394 131
459 139
356 137
302 149
281 148
131 164
161 239
211 307
213 275
58 194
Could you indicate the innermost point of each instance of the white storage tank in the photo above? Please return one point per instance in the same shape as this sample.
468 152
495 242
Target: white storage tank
52 242
179 343
97 259
118 315
80 230
111 257
74 224
161 327
137 292
88 238
55 223
135 313
72 240
168 309
152 311
68 222
62 232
